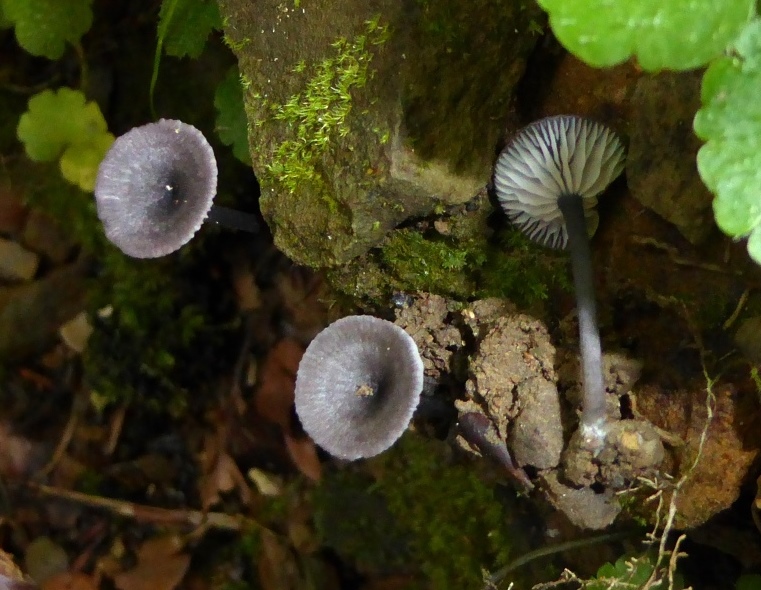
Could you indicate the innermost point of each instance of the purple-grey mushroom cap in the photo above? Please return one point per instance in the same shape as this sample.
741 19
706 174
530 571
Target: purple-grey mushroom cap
155 187
552 157
358 385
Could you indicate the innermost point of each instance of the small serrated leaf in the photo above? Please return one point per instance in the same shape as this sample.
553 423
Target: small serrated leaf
186 24
43 27
231 124
679 34
56 119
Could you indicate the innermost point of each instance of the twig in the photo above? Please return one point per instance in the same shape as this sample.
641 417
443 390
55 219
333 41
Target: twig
117 423
78 406
738 310
152 514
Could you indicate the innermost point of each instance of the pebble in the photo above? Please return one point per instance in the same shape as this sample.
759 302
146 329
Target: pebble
17 263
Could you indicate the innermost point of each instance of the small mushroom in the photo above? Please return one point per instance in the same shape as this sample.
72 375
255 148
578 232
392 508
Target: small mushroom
155 188
547 180
358 385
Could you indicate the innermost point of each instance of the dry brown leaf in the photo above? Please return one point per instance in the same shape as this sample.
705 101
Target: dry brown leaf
247 292
160 566
70 581
220 472
304 455
274 398
277 565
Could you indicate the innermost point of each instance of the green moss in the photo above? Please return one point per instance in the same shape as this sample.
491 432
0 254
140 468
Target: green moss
522 271
147 350
316 116
422 511
456 526
436 265
351 517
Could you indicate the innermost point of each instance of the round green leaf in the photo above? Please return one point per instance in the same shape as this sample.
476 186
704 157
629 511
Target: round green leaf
43 27
56 119
674 34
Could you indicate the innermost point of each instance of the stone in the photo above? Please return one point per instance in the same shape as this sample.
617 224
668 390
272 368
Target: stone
661 167
17 263
362 115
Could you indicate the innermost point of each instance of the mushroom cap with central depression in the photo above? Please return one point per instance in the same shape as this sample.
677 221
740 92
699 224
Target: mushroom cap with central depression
155 187
358 385
550 158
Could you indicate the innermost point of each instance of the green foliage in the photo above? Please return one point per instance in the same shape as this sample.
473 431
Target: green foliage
679 34
435 265
43 27
522 271
455 525
351 516
232 125
631 573
749 582
5 22
141 352
730 122
184 26
62 125
317 115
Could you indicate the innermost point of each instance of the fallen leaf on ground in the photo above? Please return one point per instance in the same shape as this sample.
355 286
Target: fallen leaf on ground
70 581
304 455
274 398
160 566
277 565
220 473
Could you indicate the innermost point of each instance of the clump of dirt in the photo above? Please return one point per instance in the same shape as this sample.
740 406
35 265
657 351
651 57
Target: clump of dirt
512 379
425 319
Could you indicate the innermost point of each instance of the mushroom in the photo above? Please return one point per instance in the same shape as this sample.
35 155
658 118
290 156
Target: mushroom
358 385
155 188
547 180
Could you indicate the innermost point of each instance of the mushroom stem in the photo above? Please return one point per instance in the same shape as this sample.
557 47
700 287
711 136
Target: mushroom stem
232 219
593 414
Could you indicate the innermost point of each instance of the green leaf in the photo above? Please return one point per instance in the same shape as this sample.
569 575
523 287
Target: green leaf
749 582
232 125
730 122
674 34
5 22
55 120
63 125
43 27
79 163
186 24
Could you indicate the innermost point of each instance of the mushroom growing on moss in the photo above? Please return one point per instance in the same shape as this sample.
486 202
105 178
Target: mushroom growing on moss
155 188
547 180
358 385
